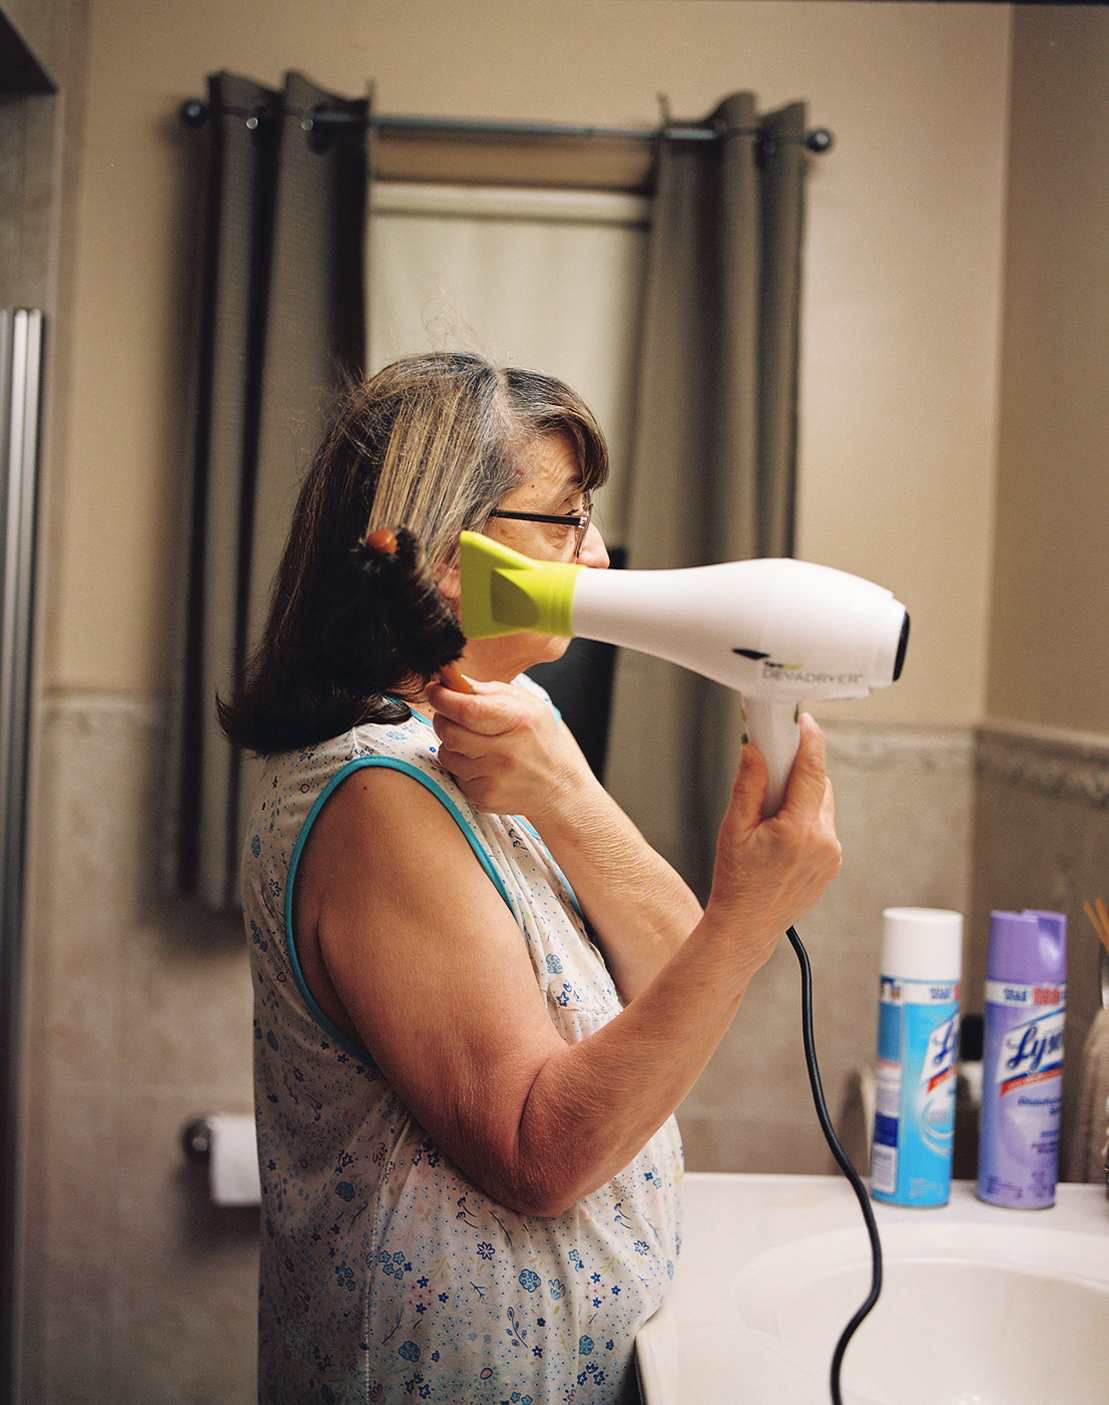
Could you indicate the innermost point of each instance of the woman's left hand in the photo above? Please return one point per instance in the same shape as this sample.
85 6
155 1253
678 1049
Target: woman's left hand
507 750
511 755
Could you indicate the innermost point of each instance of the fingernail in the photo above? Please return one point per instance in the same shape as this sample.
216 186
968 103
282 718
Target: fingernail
451 678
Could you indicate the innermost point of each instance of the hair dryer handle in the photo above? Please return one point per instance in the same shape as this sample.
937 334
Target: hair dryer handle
774 729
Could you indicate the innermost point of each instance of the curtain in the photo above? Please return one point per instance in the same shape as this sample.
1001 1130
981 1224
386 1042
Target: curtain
281 323
713 460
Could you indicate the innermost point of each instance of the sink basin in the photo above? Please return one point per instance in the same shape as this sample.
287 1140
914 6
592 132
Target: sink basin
990 1315
979 1306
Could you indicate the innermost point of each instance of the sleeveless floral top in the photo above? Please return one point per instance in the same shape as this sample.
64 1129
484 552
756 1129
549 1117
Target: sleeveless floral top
386 1274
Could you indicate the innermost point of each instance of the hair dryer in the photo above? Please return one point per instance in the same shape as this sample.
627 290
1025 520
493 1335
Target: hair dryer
777 630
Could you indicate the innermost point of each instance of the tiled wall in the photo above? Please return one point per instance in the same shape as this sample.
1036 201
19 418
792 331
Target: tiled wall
904 813
136 1288
1042 841
1008 817
138 1291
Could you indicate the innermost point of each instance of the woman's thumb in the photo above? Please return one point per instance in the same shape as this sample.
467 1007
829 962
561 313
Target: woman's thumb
809 778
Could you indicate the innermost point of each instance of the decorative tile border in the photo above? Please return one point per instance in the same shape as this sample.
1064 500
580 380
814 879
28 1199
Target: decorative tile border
87 711
1049 761
931 749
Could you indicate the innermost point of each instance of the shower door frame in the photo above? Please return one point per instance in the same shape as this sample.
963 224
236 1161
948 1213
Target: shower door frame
21 349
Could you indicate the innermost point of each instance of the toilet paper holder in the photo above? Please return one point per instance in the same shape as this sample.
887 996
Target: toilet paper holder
226 1146
196 1138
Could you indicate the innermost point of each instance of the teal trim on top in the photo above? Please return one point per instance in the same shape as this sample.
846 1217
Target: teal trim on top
344 1041
526 824
531 829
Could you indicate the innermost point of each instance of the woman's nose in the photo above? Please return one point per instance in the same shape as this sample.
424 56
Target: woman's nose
593 550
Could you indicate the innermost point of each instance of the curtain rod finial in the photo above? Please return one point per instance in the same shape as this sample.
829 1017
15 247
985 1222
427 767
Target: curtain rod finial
192 112
818 140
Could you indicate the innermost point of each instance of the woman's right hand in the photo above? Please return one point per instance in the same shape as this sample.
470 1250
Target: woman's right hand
769 872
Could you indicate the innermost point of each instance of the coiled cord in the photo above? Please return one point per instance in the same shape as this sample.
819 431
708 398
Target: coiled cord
841 1160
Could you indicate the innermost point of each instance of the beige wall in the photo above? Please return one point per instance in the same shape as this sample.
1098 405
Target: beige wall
1049 663
1041 833
901 293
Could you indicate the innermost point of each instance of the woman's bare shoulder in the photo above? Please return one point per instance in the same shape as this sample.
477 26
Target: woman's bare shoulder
381 819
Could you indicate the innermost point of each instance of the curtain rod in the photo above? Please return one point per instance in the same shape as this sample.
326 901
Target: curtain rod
319 121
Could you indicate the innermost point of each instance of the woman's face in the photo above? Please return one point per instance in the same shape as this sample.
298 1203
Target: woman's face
552 485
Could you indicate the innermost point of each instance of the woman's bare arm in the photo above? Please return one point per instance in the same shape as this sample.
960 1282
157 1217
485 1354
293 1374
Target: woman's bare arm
510 755
428 967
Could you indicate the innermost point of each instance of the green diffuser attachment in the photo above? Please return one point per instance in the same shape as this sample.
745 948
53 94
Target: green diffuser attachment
505 593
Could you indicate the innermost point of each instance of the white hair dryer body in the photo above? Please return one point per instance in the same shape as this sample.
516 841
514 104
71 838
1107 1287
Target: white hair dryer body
779 631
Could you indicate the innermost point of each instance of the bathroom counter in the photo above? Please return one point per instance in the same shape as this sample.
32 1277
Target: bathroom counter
773 1267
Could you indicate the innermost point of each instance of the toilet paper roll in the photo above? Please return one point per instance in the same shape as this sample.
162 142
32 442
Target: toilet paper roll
233 1160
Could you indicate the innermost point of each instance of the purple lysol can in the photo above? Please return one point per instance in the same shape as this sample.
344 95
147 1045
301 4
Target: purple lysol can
1022 1066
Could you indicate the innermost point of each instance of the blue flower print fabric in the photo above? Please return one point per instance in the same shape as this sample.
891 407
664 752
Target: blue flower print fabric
386 1275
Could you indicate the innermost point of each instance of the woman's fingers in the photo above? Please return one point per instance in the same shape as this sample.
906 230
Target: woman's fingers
506 748
769 872
491 709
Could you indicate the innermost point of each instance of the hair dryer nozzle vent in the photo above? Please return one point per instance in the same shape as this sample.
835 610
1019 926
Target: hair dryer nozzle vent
902 645
504 592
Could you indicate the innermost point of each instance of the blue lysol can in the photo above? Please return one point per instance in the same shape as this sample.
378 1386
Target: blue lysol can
918 1055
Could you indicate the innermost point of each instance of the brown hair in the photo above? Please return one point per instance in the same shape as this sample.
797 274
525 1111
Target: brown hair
432 443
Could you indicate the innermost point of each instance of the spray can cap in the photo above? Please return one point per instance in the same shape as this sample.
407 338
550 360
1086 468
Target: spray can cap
922 944
1028 948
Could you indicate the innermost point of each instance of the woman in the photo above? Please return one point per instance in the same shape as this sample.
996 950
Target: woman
480 995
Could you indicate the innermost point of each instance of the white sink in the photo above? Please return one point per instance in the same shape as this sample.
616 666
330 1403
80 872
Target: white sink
979 1306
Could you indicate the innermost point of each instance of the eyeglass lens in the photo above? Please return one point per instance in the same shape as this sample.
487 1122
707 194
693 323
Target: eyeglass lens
582 530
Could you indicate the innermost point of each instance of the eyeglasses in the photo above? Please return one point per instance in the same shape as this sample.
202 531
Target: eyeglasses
578 520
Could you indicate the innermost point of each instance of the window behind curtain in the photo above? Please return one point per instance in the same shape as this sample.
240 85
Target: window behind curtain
552 280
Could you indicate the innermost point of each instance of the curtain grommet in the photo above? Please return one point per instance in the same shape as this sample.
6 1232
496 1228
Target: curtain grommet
315 127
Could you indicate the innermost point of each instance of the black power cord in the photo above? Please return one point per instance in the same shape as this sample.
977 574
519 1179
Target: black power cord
842 1161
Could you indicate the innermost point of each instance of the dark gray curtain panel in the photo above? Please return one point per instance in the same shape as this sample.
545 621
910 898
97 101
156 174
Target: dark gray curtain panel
282 324
715 445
